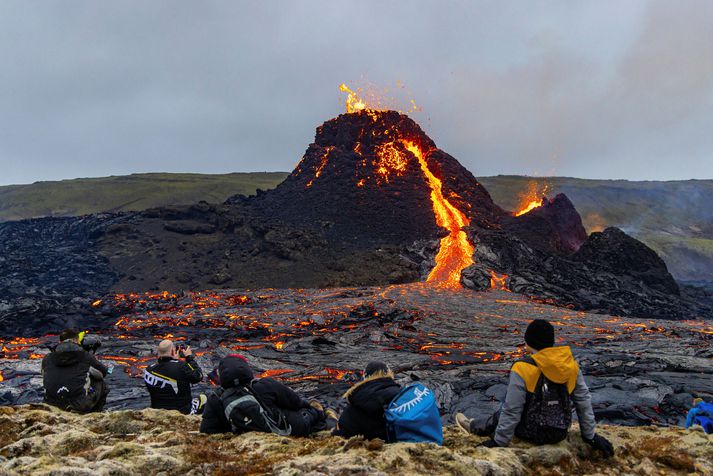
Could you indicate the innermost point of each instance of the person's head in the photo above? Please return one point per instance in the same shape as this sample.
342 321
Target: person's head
166 348
69 335
234 370
376 368
539 335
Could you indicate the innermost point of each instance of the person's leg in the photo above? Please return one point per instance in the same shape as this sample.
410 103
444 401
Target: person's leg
481 425
101 390
485 426
306 421
198 404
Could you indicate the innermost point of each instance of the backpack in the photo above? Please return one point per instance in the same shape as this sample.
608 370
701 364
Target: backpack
701 414
413 416
245 412
547 415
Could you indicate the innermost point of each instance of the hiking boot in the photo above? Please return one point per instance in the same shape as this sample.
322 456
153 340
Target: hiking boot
463 422
316 405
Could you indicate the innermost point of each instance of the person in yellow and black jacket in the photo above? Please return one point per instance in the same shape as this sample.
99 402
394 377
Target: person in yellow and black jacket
542 389
169 380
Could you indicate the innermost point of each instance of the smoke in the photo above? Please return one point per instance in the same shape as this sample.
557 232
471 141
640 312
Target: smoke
604 89
638 114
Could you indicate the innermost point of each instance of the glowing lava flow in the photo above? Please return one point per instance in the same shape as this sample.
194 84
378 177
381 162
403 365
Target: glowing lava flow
456 252
532 199
531 206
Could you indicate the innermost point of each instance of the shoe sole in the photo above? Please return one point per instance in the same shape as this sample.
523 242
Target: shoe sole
461 428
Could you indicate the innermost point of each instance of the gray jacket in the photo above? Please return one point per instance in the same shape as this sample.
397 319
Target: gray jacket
514 404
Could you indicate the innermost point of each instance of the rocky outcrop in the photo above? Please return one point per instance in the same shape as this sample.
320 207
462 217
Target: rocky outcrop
611 272
555 226
615 252
38 439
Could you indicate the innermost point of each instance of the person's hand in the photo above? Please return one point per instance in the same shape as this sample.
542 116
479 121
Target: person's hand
489 443
187 352
602 444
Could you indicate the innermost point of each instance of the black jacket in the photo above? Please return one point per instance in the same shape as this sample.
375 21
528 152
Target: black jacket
364 414
66 376
276 398
169 383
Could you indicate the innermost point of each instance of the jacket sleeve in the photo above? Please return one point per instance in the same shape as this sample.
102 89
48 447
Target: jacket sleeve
511 411
191 370
583 403
285 397
214 420
94 362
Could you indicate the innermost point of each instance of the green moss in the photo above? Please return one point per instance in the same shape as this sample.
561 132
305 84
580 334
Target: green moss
125 193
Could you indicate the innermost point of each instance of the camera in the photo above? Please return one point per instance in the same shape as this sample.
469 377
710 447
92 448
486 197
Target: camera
180 350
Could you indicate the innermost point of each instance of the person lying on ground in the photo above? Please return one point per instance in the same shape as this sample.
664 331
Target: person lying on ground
244 403
72 377
540 393
169 379
366 401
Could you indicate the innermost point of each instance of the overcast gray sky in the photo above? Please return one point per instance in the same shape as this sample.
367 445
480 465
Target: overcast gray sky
619 89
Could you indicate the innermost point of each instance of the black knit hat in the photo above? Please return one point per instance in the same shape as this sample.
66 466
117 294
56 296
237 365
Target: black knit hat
374 367
540 334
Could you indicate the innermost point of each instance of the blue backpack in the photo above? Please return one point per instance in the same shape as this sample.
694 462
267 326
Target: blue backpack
701 414
413 416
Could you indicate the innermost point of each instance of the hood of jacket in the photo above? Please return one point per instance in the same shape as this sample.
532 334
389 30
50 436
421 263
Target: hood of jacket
232 370
374 392
558 365
68 353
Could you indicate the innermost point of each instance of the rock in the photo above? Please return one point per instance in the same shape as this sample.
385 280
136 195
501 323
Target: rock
220 277
189 228
476 277
169 444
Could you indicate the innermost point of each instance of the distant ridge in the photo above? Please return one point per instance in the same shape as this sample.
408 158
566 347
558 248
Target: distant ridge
674 218
126 193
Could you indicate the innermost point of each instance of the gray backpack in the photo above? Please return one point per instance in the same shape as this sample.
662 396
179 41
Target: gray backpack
245 412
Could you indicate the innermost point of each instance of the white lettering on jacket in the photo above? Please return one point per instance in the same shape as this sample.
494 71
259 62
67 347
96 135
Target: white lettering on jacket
159 381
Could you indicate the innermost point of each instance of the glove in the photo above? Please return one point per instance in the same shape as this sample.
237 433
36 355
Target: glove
602 444
490 443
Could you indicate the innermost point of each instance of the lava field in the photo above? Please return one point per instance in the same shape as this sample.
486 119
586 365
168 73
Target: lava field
458 342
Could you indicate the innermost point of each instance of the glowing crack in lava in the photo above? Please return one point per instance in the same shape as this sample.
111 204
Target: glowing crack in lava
455 252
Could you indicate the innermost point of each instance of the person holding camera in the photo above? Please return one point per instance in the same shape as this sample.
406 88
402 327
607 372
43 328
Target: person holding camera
72 377
169 380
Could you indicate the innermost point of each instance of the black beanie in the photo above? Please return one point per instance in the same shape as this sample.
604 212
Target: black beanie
374 367
540 334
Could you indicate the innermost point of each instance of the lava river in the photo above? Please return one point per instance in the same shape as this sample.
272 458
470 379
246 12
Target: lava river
455 252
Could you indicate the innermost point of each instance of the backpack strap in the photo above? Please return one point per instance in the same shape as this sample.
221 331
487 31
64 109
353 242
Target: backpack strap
528 360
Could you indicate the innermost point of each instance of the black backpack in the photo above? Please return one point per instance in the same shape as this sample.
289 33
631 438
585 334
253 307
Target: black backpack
548 412
245 412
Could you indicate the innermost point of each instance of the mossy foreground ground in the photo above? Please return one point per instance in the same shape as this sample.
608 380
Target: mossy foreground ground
37 439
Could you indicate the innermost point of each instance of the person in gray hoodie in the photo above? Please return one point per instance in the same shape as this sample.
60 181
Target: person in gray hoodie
541 390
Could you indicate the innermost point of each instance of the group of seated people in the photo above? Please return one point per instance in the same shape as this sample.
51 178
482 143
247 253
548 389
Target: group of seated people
74 380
